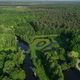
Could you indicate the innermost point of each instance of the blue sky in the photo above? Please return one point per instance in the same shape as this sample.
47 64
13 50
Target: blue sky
39 0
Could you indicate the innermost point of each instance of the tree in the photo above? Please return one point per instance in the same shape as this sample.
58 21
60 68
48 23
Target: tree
73 54
75 43
8 66
17 74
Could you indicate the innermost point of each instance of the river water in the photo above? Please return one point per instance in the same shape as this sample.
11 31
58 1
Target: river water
27 62
72 74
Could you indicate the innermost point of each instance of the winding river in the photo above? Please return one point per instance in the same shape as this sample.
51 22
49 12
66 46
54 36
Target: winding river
27 62
71 74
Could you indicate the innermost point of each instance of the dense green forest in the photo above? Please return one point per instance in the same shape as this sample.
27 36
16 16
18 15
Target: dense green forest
52 33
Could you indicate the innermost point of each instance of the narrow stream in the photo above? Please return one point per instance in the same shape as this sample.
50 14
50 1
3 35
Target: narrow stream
27 62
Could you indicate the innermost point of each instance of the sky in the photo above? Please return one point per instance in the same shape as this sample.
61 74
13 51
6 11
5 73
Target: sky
39 0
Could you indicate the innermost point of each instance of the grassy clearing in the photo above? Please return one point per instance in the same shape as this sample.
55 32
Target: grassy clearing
40 43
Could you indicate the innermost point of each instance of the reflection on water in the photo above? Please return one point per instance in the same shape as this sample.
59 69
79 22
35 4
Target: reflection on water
71 74
27 62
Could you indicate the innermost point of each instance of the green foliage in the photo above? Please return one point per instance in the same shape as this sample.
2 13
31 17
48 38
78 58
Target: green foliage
6 78
37 25
73 54
7 38
8 66
9 61
2 58
76 42
20 57
17 74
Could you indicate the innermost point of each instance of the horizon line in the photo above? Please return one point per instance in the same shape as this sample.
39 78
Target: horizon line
39 1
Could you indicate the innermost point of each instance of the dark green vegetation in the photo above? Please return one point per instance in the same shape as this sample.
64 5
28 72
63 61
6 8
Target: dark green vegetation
52 33
11 58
